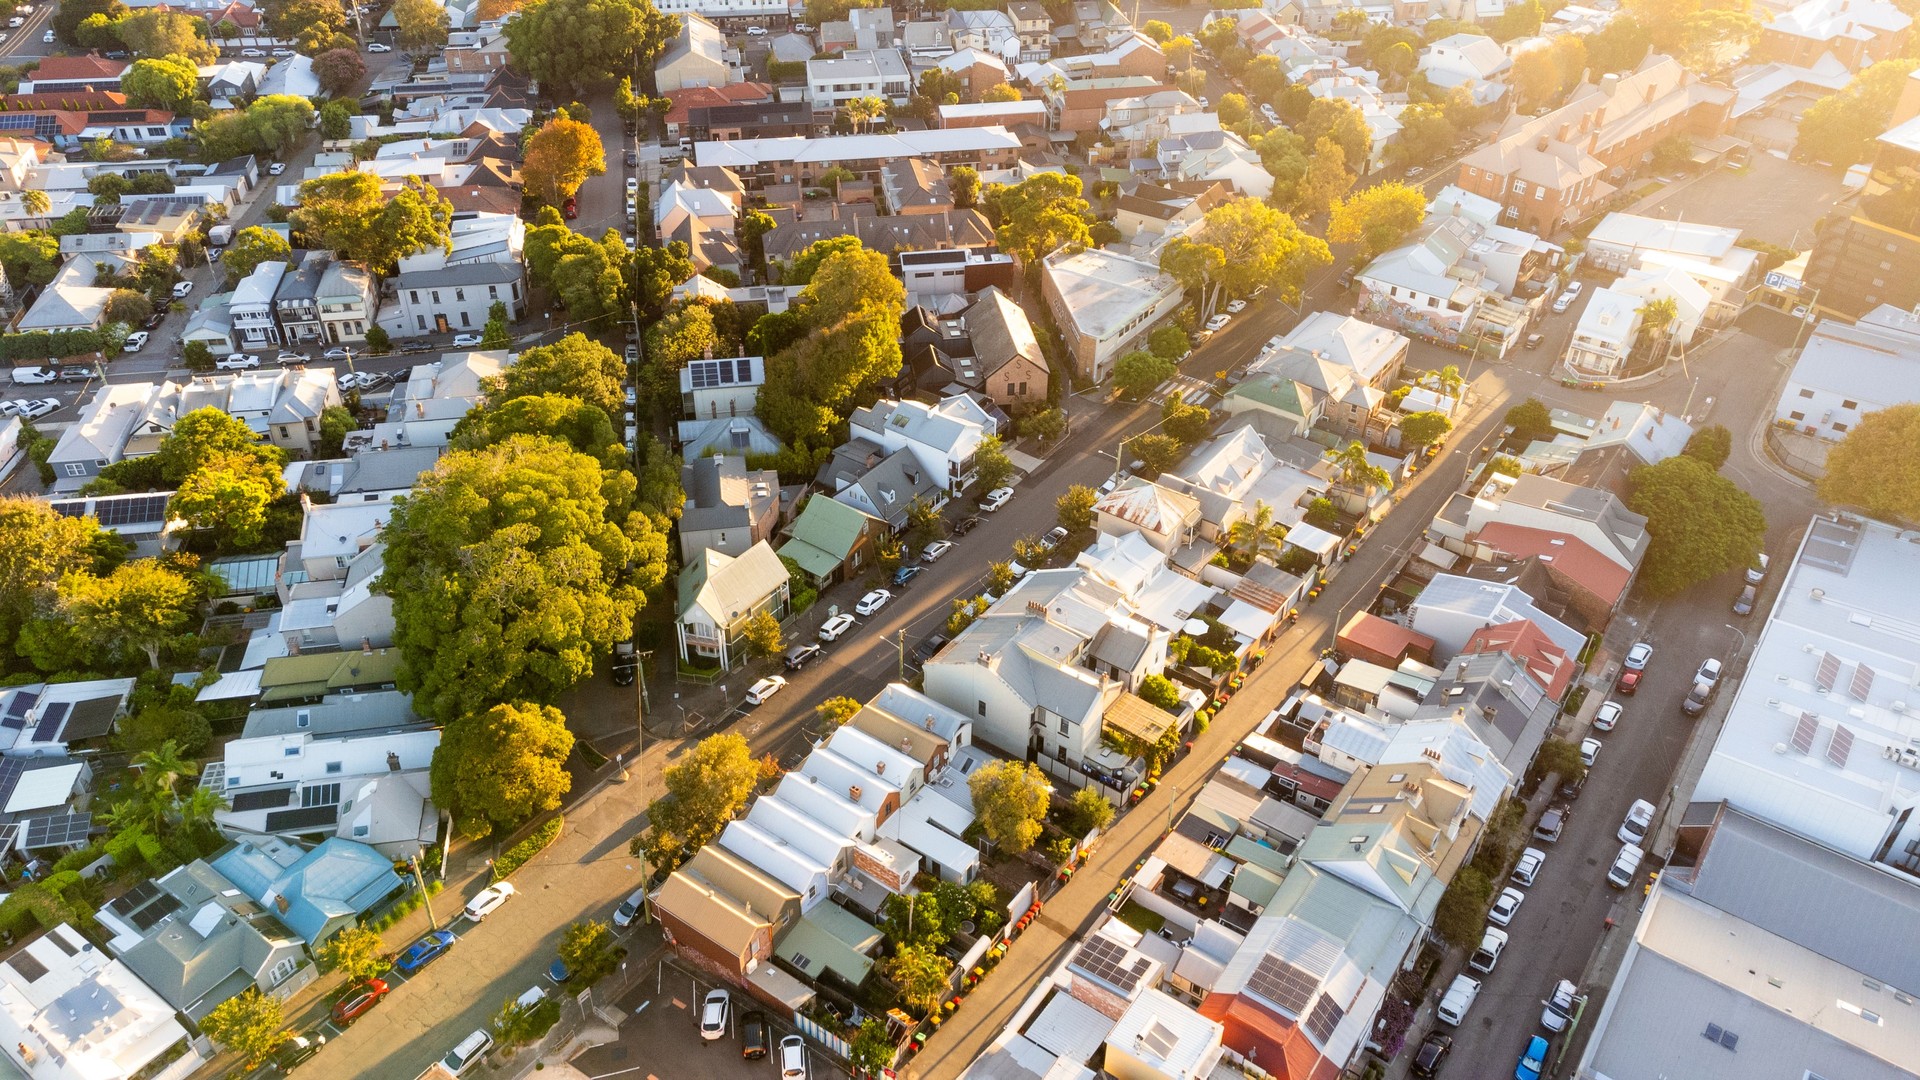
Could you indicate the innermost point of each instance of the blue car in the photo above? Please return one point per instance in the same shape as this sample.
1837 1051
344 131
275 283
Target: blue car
1533 1062
424 952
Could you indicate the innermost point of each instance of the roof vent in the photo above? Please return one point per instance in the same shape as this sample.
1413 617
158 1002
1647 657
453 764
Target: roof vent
853 793
879 768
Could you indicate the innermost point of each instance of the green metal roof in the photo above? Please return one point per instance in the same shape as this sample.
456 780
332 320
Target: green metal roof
811 559
830 938
1255 883
1245 849
287 678
830 525
1272 391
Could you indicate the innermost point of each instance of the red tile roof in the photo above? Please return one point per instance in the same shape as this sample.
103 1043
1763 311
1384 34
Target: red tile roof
1278 1045
1387 642
687 99
90 66
1546 662
1579 561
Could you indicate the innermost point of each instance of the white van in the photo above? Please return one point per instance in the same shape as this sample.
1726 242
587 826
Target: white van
1457 1000
27 376
468 1053
1626 866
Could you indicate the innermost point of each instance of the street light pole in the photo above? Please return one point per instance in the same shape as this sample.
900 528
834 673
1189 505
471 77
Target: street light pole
413 862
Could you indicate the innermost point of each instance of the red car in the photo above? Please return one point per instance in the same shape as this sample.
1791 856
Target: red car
358 1001
1629 682
571 209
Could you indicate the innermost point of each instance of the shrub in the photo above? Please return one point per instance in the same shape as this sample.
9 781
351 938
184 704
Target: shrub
521 853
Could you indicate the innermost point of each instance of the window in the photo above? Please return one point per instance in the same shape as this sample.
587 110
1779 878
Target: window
493 292
359 830
421 320
413 296
1806 393
319 795
1539 194
436 296
1849 404
983 708
1796 416
466 319
75 469
460 296
333 768
1840 429
283 969
1519 187
1063 725
292 751
303 718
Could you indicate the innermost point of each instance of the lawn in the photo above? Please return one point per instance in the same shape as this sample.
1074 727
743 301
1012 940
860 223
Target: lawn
1140 918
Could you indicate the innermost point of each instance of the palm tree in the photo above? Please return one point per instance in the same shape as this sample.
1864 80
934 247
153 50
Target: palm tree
865 110
1355 470
161 769
1450 381
35 202
198 808
1256 532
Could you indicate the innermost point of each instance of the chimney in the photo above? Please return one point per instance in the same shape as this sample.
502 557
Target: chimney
853 793
393 761
928 722
366 646
1566 131
879 768
1609 83
1540 144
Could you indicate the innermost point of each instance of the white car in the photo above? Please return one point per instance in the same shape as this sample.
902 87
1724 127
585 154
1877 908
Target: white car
1639 820
253 54
759 692
996 499
630 908
1528 868
1235 307
135 341
1487 955
1709 672
1638 657
793 1058
352 380
1590 751
872 602
237 362
756 31
1559 1006
633 185
633 203
935 550
1218 323
338 352
489 900
1564 301
1608 717
281 52
47 38
181 289
1506 906
379 46
468 1053
466 341
35 408
715 1009
276 168
287 358
834 627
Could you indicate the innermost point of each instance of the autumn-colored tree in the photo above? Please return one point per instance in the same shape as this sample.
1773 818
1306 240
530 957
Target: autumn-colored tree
559 158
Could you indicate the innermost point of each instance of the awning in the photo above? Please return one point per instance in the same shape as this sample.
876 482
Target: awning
1314 539
1438 556
233 686
1246 620
782 987
1132 715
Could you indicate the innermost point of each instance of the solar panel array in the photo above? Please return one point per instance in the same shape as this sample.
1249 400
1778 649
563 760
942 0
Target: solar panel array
1829 671
50 721
17 711
261 800
1283 984
115 512
1862 681
1804 729
1106 960
707 374
11 770
309 817
1325 1017
145 905
57 830
1840 745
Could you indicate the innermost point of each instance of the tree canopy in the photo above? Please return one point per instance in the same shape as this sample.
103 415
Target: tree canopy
250 247
166 82
1009 801
508 571
1699 523
1038 215
172 34
573 46
576 366
1876 468
705 788
1241 246
350 214
1378 217
559 157
1841 127
495 770
249 1024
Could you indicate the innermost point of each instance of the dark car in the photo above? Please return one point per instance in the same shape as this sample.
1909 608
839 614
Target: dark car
358 1001
1629 682
754 1037
424 952
799 656
1427 1061
906 574
1346 277
158 318
559 972
291 1053
75 374
1744 605
924 651
633 158
966 525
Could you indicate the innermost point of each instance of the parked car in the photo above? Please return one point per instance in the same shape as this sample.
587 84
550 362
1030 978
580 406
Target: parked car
1534 340
1590 751
798 656
467 1053
489 900
872 602
759 692
1634 666
1235 307
1550 826
293 1052
834 627
1432 1054
1709 672
1626 866
754 1035
1564 301
276 168
338 352
1757 569
632 158
1533 1061
379 46
925 651
358 1001
424 952
1639 819
288 358
1492 943
135 341
181 289
715 1010
253 54
935 550
1506 906
793 1058
467 341
237 362
558 972
570 209
906 574
1218 323
35 408
630 908
1560 1006
996 499
1608 716
1054 538
1699 696
965 525
1528 868
1743 604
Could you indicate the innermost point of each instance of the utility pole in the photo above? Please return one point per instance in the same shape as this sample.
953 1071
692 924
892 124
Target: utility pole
413 861
900 652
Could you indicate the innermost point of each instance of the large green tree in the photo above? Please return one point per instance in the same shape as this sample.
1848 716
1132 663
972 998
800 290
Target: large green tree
1010 801
494 770
166 82
1699 523
314 26
39 548
511 568
572 46
559 157
338 70
586 428
1377 217
705 788
1877 467
250 247
1241 246
576 366
138 608
269 125
155 33
350 214
422 24
1705 35
249 1024
1841 127
1039 214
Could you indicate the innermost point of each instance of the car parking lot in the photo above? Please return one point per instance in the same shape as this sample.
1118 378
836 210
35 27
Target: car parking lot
663 1026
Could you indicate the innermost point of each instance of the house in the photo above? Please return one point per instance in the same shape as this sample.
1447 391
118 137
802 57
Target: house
915 187
1453 607
1845 372
317 892
960 239
832 540
697 56
1214 157
1167 518
857 73
881 485
232 81
74 74
1001 114
68 1012
1550 171
1105 303
1454 279
724 910
370 788
689 100
863 28
1331 371
348 303
96 438
1708 254
1236 473
720 594
252 310
71 301
1078 105
198 941
761 162
454 299
296 299
1007 355
1858 33
729 507
281 406
942 437
42 718
1474 61
1033 26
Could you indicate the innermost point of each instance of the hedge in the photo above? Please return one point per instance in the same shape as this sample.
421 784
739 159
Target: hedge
521 853
44 345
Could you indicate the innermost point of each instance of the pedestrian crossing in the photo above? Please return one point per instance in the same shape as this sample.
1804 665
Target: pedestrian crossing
1191 390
